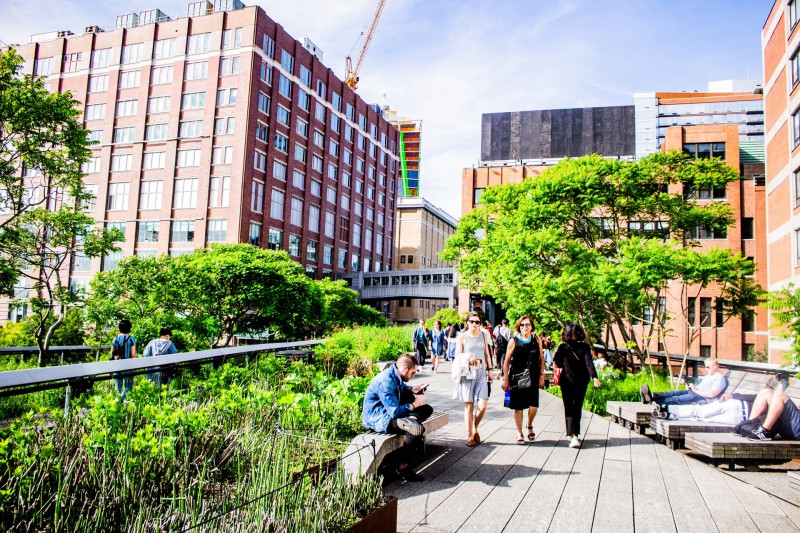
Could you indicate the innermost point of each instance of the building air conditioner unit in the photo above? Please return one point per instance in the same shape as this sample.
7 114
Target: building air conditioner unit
93 29
65 33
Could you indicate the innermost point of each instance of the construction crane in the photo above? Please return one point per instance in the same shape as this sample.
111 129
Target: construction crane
351 73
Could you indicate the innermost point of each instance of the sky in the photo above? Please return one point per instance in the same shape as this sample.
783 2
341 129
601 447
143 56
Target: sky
446 62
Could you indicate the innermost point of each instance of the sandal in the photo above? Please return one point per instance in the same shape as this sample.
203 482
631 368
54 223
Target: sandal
531 434
470 442
477 438
520 440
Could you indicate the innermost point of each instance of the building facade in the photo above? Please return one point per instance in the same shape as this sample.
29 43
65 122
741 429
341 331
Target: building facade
780 42
219 126
422 230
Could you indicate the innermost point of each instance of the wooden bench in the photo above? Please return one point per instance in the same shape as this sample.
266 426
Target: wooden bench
362 458
732 449
632 415
673 432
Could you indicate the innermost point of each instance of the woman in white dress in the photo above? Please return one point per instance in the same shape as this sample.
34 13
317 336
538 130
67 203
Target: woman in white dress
472 371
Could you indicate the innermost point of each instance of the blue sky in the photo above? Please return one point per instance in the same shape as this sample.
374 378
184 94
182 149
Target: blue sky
446 62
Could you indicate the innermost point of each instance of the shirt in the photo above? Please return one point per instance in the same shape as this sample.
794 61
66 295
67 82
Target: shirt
713 382
382 400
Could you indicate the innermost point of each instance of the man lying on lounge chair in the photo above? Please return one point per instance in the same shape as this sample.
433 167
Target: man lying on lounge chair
710 388
730 409
782 416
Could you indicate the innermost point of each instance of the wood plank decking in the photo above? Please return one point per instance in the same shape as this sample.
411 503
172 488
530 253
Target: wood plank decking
618 481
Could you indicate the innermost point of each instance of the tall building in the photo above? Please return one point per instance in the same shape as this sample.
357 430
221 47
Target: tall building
780 40
410 139
219 126
422 229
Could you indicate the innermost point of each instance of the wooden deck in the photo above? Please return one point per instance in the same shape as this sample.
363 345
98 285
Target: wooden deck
618 481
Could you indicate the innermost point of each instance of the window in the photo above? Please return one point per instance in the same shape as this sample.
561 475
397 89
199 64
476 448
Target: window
118 196
225 126
227 96
346 179
311 250
98 84
646 228
333 148
294 245
348 131
360 186
719 311
692 192
303 99
121 162
190 129
126 108
302 128
274 239
150 195
260 161
300 152
319 112
342 260
186 193
316 163
154 160
287 61
96 136
193 100
319 139
345 202
321 89
183 231
349 111
691 312
749 320
707 232
197 70
222 155
316 188
42 66
379 243
356 234
380 219
797 187
370 193
229 66
381 199
297 211
276 204
358 208
360 165
705 312
279 170
147 231
282 143
330 224
368 240
795 67
794 13
285 86
747 228
354 263
158 104
361 142
188 158
91 166
370 214
305 76
101 58
332 171
164 48
198 44
231 38
362 123
298 179
132 53
796 126
344 229
283 116
313 218
705 350
371 173
217 230
268 46
327 254
220 191
129 80
254 235
335 123
257 197
266 73
336 100
111 260
262 131
263 103
331 195
797 247
123 135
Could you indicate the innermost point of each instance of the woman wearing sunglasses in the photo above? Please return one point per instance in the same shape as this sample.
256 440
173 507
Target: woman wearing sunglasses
472 372
523 374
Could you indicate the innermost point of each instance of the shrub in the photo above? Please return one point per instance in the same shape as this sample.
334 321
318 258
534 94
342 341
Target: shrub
353 351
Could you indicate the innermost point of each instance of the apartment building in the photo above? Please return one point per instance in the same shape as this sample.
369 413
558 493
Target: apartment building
219 126
780 42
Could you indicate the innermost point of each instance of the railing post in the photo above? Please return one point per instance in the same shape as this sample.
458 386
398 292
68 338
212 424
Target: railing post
66 402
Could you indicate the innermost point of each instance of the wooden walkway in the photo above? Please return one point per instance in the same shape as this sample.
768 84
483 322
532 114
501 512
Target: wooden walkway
618 481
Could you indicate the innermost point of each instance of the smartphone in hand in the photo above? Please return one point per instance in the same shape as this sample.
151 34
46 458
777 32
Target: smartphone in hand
423 389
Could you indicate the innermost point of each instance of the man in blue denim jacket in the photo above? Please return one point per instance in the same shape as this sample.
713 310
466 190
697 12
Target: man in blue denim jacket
391 406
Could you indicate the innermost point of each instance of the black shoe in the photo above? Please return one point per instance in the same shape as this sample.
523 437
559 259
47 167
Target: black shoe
760 434
411 426
410 476
659 411
644 394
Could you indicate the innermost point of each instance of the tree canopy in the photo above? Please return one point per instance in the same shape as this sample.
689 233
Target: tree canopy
598 241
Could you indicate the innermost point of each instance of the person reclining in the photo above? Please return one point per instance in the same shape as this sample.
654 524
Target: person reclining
781 416
730 409
391 407
710 388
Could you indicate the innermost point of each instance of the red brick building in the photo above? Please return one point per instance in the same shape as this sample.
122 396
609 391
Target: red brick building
221 127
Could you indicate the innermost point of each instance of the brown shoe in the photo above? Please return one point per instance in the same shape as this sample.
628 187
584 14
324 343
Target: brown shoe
471 442
477 438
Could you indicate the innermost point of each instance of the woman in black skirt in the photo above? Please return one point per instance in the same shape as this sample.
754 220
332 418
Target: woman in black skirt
524 352
574 358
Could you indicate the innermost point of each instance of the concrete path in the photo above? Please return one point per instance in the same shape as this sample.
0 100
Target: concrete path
618 481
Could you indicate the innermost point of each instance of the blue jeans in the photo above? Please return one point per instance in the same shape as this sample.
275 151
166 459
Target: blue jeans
128 382
678 397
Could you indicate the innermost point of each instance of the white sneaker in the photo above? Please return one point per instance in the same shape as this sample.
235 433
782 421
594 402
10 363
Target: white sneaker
574 442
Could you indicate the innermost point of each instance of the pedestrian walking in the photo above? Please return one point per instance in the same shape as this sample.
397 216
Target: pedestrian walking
471 373
437 345
502 338
123 347
420 341
161 346
523 374
574 357
452 336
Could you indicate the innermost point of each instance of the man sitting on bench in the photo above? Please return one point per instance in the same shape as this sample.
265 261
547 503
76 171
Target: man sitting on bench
710 388
730 409
782 416
390 406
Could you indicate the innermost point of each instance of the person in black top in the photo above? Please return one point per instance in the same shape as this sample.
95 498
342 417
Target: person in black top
574 357
524 352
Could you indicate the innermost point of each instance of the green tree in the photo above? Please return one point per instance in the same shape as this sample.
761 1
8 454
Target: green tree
785 307
341 308
448 315
561 244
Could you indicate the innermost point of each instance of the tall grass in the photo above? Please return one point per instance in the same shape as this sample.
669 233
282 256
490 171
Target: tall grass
353 352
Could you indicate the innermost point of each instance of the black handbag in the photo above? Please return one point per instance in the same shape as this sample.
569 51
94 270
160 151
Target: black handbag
522 380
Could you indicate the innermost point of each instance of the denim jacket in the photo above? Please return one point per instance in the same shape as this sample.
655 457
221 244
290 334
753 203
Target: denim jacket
382 400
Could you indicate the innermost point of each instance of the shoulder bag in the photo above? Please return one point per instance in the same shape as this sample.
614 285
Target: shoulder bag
522 380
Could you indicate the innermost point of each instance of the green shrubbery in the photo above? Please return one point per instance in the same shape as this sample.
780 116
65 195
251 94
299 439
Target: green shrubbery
354 351
617 386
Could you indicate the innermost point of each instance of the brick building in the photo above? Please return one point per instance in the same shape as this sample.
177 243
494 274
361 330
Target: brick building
219 126
780 41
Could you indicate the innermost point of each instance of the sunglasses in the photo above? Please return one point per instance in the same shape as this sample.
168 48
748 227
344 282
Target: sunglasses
526 325
474 321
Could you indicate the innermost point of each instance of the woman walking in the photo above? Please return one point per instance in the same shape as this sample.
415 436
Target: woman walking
523 374
472 372
574 357
453 332
437 345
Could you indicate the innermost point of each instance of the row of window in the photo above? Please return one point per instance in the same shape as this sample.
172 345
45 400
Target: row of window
717 311
151 194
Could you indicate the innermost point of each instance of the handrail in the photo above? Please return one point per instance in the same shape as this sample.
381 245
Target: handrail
32 349
17 382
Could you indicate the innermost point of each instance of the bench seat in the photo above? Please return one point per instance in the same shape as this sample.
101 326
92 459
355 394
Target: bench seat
359 459
633 415
674 431
729 448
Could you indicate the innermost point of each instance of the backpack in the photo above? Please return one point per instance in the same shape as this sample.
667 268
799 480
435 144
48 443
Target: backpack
502 344
746 427
118 348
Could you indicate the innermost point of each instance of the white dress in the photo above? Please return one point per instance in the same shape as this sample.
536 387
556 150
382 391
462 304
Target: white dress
471 390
